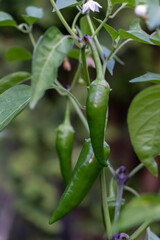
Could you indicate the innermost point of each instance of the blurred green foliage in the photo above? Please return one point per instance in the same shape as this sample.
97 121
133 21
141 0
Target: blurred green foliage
29 166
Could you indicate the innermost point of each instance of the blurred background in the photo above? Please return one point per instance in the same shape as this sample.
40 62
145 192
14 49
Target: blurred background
30 180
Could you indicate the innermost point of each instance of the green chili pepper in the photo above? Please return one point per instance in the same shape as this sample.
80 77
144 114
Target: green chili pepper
64 144
85 173
96 109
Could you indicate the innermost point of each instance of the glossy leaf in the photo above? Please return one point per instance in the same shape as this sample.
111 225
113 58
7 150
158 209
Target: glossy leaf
112 32
33 14
63 4
144 126
17 53
136 33
130 3
150 235
12 80
6 19
147 77
74 53
48 56
139 210
155 39
12 102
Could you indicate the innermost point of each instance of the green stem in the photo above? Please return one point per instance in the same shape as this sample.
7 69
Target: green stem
135 170
105 204
80 114
85 68
115 50
65 23
75 20
131 190
95 37
67 113
118 10
32 39
75 77
140 230
96 58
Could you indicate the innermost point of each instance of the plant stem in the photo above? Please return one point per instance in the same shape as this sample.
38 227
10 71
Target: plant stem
100 26
140 230
115 50
118 10
75 77
65 23
135 170
95 37
32 39
131 190
85 68
96 58
105 204
118 201
75 20
80 114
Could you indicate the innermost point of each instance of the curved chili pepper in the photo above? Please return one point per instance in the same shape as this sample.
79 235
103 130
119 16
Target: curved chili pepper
64 144
85 173
96 110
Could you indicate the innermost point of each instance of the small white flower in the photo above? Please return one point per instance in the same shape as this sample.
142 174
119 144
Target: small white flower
91 5
141 10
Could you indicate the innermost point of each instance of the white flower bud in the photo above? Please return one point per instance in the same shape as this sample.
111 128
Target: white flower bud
141 10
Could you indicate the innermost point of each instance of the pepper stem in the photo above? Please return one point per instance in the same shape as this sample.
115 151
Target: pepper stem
67 113
95 56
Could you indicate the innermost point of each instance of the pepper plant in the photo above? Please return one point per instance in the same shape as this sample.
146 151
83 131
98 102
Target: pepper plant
50 51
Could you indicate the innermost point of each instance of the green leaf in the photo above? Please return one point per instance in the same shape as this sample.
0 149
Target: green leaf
74 53
112 32
63 4
130 3
147 77
135 33
17 53
155 38
153 19
144 126
12 80
150 235
139 210
12 102
48 56
6 19
33 14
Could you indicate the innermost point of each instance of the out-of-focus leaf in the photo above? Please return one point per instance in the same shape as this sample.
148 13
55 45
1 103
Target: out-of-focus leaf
153 19
147 77
12 80
130 3
144 126
139 210
150 235
136 33
48 56
12 102
155 39
17 53
33 14
112 32
74 53
63 4
84 26
6 19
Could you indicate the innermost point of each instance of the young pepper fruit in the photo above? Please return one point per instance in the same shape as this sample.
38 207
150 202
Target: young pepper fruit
96 110
84 175
64 145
